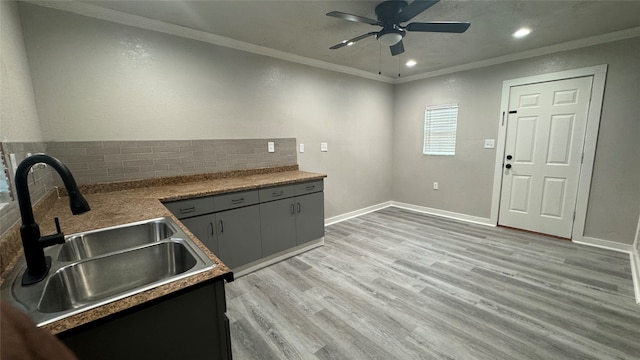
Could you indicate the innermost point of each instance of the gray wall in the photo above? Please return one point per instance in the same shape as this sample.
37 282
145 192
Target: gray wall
466 179
19 122
100 81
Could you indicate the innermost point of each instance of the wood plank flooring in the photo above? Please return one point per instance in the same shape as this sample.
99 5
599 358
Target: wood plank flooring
395 284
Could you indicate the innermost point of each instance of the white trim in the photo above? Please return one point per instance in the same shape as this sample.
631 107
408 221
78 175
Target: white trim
444 213
635 273
101 13
604 244
118 17
546 50
272 259
599 73
356 213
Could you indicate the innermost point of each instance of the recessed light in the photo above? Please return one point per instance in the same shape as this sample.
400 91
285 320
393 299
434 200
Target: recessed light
350 43
411 63
522 32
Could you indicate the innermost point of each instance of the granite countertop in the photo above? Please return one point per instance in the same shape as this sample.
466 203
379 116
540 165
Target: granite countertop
111 205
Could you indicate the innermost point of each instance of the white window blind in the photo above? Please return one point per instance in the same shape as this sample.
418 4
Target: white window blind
440 124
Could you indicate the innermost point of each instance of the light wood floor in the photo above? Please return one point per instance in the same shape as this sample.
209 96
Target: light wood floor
395 284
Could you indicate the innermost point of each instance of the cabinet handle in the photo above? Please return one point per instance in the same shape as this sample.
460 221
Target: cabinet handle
276 194
293 209
299 208
237 201
212 226
187 210
221 227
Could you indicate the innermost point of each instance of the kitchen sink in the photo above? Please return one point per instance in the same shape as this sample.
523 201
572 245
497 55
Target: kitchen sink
97 267
95 280
99 242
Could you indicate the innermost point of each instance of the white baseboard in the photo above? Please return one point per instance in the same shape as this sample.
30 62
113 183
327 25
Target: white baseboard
270 260
444 213
353 214
635 272
604 244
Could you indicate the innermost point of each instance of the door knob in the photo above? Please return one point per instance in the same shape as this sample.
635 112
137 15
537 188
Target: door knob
508 166
509 157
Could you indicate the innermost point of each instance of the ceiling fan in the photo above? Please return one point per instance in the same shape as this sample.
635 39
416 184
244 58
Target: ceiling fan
390 14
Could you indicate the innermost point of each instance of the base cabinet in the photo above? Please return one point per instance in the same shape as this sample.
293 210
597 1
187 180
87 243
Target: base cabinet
190 324
243 227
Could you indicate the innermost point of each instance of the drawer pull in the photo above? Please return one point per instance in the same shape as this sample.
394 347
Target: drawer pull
237 201
187 210
276 194
310 187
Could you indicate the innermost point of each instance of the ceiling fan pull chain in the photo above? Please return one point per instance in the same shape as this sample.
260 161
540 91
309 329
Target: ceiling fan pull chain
379 59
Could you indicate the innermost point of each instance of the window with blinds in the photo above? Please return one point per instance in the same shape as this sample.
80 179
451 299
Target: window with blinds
440 124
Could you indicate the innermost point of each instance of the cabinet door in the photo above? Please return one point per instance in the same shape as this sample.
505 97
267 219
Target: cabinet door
278 226
203 227
309 217
239 236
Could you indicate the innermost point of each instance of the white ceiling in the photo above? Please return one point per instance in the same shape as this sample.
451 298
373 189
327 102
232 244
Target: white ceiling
302 28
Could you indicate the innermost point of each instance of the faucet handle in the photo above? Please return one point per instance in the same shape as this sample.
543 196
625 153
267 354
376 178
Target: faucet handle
50 240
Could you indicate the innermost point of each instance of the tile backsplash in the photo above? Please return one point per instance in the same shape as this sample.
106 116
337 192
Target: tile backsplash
106 161
94 162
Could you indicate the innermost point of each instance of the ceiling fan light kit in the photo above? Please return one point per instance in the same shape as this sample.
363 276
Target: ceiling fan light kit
390 15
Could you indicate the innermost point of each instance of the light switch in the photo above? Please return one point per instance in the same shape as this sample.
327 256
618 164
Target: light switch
271 146
324 147
301 148
489 143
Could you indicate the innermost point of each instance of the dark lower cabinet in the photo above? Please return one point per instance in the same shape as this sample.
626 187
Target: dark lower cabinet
189 324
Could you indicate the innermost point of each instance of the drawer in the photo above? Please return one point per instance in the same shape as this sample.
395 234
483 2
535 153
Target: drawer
277 193
236 199
308 187
191 207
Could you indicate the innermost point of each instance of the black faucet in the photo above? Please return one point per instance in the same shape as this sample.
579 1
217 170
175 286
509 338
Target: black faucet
37 264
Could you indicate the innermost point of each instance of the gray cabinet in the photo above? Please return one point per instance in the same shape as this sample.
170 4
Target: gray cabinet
238 233
295 220
228 224
243 227
278 226
309 217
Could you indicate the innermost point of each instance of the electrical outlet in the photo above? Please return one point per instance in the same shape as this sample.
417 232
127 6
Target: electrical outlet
489 143
301 148
435 185
271 146
324 147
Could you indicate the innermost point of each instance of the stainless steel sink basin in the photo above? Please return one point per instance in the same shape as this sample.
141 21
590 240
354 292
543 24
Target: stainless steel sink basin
99 242
101 266
104 277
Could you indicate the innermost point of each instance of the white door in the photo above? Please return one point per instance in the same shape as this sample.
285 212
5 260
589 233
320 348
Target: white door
543 154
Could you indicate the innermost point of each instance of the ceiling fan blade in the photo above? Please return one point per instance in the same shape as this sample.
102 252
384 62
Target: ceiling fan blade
439 26
351 41
355 18
397 49
415 8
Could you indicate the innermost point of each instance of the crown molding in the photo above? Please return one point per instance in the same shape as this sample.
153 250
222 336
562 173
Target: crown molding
546 50
101 13
181 31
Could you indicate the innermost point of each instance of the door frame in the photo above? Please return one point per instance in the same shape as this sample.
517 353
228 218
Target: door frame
599 73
